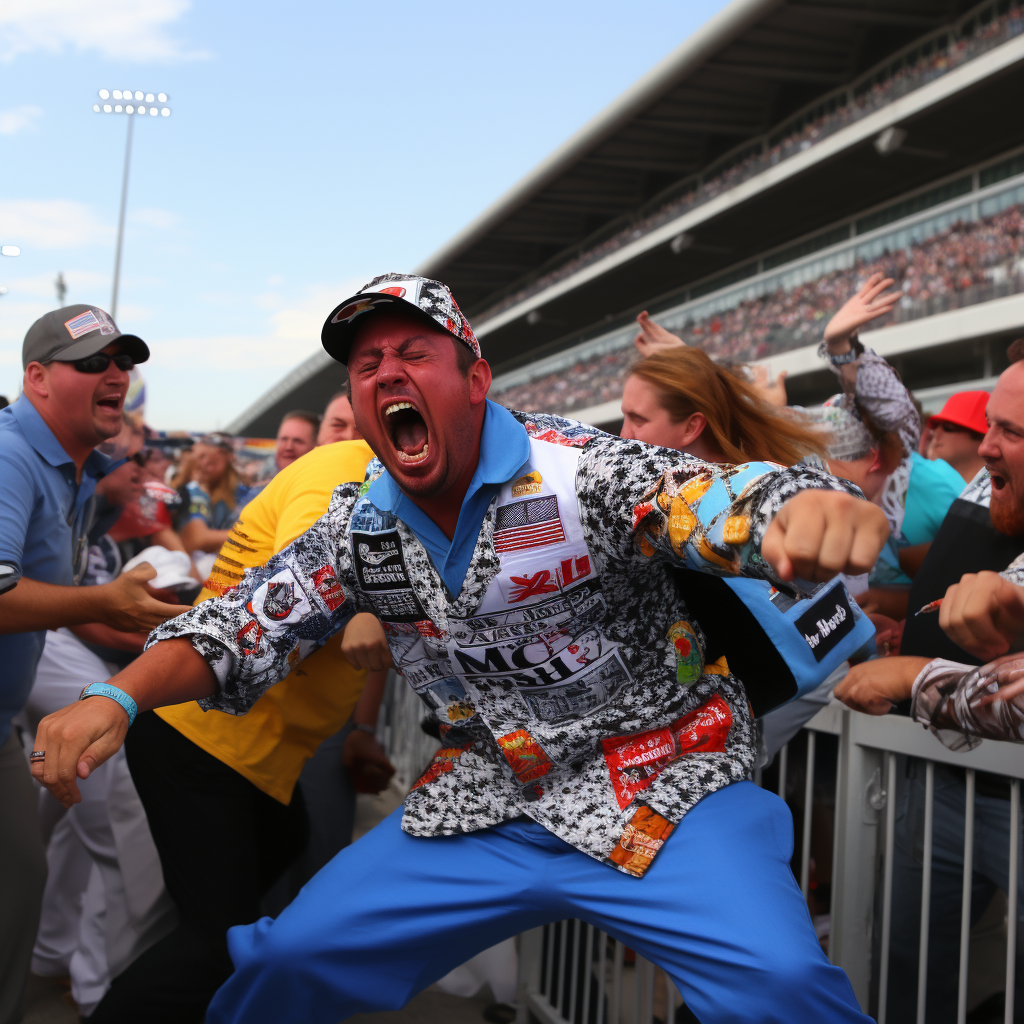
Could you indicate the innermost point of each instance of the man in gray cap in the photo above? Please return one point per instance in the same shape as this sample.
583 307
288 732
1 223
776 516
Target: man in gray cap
76 364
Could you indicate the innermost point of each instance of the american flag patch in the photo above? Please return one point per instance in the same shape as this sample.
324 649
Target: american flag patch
528 524
82 324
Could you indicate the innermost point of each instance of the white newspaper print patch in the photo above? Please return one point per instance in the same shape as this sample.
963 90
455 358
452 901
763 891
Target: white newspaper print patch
279 602
107 326
82 324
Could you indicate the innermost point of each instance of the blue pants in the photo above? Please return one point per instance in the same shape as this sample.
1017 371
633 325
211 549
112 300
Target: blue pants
719 910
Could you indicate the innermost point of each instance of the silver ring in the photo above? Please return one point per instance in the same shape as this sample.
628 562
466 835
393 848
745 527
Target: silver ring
37 755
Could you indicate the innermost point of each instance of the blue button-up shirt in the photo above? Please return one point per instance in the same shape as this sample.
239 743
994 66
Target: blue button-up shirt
44 515
504 449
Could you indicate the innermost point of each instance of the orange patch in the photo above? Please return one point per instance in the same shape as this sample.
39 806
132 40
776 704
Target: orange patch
524 754
641 839
444 761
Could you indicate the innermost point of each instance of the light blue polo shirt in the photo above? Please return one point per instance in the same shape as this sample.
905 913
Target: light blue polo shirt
44 516
504 449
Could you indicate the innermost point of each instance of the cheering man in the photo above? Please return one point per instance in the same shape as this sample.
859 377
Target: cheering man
594 766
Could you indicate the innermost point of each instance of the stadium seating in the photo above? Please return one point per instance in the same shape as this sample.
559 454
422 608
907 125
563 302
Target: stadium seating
895 79
944 262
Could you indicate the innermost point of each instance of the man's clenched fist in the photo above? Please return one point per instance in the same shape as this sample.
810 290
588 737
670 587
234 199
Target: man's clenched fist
984 614
819 534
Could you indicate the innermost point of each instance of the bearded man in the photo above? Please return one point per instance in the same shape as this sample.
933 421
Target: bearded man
595 764
980 618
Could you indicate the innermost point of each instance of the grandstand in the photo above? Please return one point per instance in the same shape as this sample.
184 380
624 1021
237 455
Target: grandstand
741 189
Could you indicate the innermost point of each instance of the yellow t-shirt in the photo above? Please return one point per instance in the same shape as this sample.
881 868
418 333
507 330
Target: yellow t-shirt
282 730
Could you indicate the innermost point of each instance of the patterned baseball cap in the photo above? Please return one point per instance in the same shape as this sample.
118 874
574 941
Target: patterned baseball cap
395 293
849 439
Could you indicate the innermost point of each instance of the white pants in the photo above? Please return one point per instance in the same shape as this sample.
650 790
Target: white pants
105 901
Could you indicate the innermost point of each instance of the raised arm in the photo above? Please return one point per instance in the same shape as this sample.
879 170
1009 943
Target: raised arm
867 376
798 525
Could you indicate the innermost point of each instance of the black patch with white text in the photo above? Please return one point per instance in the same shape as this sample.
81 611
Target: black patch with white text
380 565
826 622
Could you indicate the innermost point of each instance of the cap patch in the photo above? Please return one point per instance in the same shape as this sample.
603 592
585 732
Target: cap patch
399 293
107 326
353 309
83 324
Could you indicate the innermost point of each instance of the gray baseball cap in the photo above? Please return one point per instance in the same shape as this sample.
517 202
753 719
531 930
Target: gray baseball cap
75 332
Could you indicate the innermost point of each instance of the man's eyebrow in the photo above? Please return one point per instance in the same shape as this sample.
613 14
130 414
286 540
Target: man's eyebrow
1002 421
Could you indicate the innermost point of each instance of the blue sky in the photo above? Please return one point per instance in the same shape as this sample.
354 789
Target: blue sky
311 146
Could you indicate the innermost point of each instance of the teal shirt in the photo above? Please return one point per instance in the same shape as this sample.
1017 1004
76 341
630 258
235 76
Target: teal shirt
934 485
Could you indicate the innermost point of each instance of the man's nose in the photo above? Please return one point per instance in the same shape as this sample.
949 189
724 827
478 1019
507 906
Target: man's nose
988 449
391 371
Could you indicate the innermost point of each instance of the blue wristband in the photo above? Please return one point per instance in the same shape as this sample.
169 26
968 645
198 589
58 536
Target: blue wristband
106 690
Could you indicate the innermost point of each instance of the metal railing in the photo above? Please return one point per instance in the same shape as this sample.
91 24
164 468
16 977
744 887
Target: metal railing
572 973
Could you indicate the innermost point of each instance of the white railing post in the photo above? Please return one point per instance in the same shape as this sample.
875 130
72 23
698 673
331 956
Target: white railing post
853 860
531 944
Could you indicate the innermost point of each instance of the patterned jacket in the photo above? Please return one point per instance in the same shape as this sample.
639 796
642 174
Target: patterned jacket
568 674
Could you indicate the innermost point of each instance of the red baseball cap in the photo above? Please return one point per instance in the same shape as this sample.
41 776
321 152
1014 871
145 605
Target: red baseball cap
965 409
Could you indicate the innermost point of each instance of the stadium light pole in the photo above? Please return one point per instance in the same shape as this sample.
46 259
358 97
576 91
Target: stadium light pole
135 103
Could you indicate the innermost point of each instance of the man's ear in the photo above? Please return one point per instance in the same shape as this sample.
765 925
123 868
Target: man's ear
693 428
37 380
877 462
479 377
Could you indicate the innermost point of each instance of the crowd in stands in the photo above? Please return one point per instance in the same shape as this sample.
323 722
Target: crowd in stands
947 53
968 262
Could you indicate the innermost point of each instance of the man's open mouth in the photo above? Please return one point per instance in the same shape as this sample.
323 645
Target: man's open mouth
111 402
998 481
407 431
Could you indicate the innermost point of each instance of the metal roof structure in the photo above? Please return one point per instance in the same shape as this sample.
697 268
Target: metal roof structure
747 69
753 67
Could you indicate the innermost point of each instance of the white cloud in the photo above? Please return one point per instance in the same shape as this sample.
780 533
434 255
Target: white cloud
52 224
122 29
82 285
18 118
152 217
293 335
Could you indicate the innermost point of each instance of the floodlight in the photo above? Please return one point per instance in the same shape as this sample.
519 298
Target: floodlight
680 243
149 97
139 95
3 289
117 94
96 107
128 110
104 94
107 108
889 141
153 111
165 112
9 250
162 97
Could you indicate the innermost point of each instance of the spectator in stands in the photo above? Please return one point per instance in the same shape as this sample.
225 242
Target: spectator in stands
215 495
296 435
958 430
339 423
221 789
983 532
76 365
880 423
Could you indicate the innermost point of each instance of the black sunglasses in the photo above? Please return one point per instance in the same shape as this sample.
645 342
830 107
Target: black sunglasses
99 362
